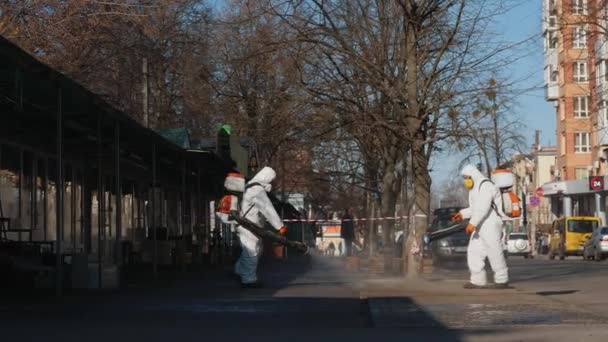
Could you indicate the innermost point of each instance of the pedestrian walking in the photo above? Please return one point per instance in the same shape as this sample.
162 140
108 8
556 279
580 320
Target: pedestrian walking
347 231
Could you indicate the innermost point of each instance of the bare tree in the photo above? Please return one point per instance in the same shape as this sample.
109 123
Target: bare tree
103 44
391 71
489 130
384 79
256 80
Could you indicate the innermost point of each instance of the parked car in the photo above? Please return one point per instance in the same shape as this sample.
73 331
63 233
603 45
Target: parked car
448 248
519 244
597 246
453 247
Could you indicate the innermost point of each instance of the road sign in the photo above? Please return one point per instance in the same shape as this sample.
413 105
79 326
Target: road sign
534 201
596 183
539 191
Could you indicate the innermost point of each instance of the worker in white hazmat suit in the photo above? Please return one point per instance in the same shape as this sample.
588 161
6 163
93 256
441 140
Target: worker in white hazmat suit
485 227
257 208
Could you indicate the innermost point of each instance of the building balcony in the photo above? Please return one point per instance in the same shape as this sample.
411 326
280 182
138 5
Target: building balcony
551 91
601 89
601 48
602 137
551 58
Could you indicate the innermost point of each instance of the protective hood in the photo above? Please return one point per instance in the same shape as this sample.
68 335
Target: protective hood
474 173
264 177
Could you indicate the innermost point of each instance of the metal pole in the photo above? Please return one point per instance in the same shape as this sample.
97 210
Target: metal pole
45 199
524 207
118 189
34 195
133 216
182 218
100 200
86 224
82 181
154 241
199 211
21 177
59 206
73 207
302 229
371 228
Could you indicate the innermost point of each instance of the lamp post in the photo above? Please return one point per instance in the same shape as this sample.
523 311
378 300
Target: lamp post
524 204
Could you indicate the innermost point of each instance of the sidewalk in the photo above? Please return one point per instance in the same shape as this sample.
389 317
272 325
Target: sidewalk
438 300
305 299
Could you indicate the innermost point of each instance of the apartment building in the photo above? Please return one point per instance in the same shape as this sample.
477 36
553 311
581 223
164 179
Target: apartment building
570 68
576 82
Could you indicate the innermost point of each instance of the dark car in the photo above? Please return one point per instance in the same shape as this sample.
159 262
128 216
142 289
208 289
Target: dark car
449 248
452 247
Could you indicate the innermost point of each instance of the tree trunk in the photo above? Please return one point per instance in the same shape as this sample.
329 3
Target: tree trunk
367 239
405 211
421 209
372 228
390 190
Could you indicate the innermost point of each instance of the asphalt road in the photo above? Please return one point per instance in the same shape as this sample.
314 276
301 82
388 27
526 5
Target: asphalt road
319 301
574 272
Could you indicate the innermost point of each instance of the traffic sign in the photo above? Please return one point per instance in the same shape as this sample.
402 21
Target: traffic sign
596 183
534 201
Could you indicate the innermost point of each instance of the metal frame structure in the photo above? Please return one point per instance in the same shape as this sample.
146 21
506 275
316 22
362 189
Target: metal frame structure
104 142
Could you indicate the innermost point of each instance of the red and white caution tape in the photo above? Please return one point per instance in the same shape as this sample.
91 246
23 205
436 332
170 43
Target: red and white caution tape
363 219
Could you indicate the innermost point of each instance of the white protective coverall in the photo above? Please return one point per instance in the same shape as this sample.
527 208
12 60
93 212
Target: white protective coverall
255 204
486 241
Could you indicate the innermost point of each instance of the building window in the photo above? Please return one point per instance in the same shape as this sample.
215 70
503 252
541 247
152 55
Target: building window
579 37
552 7
551 39
581 173
579 71
579 7
581 106
552 22
582 142
552 74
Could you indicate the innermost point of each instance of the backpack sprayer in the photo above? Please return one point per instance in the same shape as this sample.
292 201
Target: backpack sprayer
228 212
268 234
445 232
507 205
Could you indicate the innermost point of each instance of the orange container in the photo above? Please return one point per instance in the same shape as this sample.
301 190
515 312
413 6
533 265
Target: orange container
278 251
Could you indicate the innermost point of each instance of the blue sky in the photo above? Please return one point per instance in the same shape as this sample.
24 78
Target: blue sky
523 22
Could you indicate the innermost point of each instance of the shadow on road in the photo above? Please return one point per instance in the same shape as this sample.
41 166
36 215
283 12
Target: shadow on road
556 293
211 306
